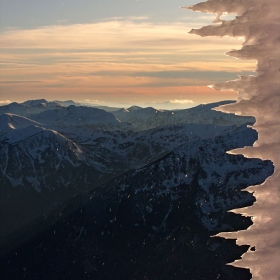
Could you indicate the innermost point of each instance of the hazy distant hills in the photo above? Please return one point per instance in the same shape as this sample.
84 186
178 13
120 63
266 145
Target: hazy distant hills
147 118
133 118
141 162
29 107
81 116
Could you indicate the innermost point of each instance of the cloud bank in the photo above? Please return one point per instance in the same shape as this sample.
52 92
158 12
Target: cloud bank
258 23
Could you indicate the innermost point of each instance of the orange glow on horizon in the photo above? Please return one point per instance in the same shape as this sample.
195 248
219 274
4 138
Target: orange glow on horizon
92 61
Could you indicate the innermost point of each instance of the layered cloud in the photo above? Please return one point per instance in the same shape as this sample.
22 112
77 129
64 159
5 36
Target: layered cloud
127 59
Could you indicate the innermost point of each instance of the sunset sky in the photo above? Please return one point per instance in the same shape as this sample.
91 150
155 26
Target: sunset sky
110 52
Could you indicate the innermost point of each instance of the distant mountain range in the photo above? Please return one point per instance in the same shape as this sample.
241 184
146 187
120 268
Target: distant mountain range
133 118
147 118
158 171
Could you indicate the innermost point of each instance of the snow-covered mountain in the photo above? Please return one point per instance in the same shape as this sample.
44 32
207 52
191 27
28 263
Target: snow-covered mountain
30 107
67 157
134 118
98 148
81 116
147 118
161 215
203 163
67 103
14 128
157 180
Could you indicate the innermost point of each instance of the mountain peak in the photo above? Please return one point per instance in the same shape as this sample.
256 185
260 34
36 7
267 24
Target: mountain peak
134 108
34 102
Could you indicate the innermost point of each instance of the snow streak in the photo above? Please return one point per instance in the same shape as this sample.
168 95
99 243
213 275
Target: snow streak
258 23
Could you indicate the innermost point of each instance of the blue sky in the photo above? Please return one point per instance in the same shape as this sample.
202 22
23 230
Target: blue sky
34 13
112 53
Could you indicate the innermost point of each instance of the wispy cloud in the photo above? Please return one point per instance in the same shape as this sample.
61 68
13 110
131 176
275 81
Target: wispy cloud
95 101
178 101
3 102
125 58
110 35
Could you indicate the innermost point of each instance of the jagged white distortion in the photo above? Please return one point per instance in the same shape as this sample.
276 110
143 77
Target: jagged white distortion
258 23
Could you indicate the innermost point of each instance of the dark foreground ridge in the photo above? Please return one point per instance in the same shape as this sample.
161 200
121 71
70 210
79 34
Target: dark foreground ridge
152 223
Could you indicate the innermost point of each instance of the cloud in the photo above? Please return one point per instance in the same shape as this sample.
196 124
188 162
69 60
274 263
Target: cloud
177 101
112 57
94 101
5 101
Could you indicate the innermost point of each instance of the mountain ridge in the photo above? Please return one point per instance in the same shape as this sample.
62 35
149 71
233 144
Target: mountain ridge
177 201
76 179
